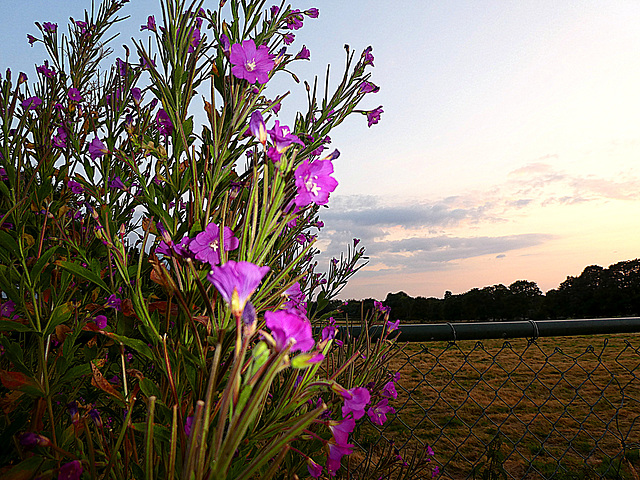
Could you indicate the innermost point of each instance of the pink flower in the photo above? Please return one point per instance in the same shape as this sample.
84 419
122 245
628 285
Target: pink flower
314 182
355 400
236 282
373 116
389 391
289 326
206 245
378 413
250 63
315 470
282 137
340 446
303 54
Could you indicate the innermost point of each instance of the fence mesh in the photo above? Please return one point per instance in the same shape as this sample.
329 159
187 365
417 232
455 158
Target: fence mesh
561 408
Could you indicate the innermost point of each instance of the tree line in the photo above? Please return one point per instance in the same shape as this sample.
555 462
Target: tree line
597 292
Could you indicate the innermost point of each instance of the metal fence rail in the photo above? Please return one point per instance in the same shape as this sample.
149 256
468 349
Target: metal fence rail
551 405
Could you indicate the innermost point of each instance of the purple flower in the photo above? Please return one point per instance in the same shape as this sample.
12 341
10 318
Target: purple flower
373 116
31 440
282 137
430 451
274 155
303 54
435 472
367 56
121 65
258 128
392 326
70 471
251 63
114 302
74 94
151 24
165 127
95 416
45 70
389 391
225 43
72 408
314 182
355 400
236 282
195 39
169 248
187 425
329 332
315 470
97 149
101 322
288 38
294 20
22 78
296 299
7 308
136 95
378 413
75 186
368 87
50 27
206 245
274 10
312 13
116 182
60 139
288 326
31 39
31 103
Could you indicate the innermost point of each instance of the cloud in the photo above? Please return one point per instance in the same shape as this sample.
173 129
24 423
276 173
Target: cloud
419 254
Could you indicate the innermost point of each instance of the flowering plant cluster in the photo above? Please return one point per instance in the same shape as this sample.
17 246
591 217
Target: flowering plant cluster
161 312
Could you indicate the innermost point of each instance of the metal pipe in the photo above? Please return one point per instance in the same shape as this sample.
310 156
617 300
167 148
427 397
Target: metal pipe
450 332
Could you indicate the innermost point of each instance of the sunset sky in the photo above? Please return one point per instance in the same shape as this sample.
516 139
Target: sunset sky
508 148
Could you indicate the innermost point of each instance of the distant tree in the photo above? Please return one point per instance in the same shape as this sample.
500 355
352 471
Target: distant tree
525 299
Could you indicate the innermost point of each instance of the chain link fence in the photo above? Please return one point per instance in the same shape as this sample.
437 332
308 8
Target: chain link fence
543 407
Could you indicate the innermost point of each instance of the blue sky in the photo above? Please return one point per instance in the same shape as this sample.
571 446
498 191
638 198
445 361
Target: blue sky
509 144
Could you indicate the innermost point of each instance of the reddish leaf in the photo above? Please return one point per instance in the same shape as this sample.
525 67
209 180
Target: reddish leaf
100 382
15 380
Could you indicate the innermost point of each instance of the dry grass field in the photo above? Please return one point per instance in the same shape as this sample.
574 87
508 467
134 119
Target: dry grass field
562 407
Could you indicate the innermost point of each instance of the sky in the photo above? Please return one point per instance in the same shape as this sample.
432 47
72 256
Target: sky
509 145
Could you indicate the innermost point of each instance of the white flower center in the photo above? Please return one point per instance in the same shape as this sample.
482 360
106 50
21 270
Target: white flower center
311 184
214 245
250 65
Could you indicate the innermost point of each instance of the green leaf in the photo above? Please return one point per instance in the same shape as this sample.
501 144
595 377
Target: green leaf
84 273
41 263
77 371
9 326
138 345
7 242
59 315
